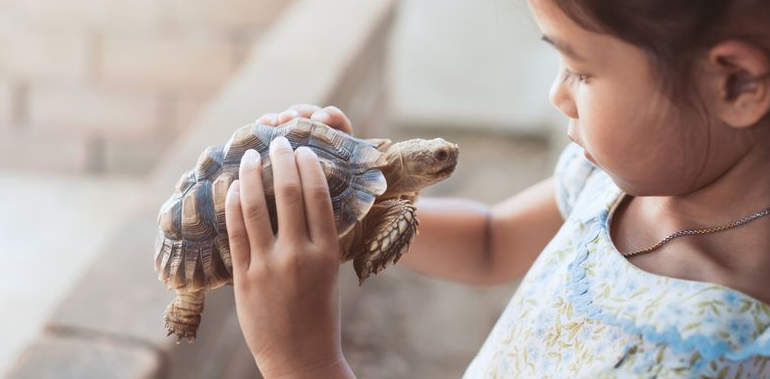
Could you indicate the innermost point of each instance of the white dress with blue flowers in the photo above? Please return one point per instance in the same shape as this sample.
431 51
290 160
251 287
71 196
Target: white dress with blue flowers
584 311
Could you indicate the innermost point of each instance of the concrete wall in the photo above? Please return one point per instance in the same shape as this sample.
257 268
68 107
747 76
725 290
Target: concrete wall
471 64
104 85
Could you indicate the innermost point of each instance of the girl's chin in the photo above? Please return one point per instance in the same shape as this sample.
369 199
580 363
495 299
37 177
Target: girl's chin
589 157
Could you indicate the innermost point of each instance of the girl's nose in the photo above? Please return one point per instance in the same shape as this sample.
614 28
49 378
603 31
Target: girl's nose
561 98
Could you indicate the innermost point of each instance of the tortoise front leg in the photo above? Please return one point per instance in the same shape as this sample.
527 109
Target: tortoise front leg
390 227
183 314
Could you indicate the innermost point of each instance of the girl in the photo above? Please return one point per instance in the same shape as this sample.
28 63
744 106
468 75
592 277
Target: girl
668 106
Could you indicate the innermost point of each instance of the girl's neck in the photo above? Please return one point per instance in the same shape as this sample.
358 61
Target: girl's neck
741 190
739 257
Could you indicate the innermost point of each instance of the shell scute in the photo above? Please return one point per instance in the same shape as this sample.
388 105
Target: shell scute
219 194
243 139
209 163
192 251
198 217
185 182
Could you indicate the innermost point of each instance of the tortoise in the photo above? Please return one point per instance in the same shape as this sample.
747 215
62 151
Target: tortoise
373 184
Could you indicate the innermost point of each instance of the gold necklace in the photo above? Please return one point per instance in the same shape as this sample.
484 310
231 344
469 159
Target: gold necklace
690 232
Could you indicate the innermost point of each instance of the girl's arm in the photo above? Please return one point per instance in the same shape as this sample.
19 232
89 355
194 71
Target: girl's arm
472 242
465 240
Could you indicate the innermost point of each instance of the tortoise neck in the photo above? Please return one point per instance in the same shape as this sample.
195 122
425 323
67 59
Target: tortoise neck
399 179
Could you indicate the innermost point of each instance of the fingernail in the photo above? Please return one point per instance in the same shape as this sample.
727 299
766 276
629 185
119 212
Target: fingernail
235 190
322 116
250 158
306 151
289 114
280 142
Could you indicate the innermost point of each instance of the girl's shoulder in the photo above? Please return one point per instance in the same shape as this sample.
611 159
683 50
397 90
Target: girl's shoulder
687 316
691 318
583 309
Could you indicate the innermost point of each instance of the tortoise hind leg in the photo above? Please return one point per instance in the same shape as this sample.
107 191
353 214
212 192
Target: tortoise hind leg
183 314
390 228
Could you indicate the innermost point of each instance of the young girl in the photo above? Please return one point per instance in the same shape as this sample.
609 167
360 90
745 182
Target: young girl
668 105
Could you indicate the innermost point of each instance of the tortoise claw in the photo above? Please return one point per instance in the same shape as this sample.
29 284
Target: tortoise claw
390 239
181 330
365 266
183 315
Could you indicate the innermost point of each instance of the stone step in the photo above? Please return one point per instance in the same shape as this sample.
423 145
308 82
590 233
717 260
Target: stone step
53 227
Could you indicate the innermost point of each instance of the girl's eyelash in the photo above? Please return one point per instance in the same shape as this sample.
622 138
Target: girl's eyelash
569 75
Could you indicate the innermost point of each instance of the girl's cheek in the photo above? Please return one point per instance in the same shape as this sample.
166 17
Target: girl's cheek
593 124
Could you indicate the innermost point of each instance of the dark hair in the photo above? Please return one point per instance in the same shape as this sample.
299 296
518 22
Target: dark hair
674 32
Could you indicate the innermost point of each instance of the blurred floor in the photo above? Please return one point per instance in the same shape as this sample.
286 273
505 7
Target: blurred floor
52 226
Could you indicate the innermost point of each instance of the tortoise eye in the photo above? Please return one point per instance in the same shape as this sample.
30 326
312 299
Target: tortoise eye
442 155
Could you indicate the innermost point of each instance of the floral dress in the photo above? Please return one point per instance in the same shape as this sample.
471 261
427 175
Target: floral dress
584 311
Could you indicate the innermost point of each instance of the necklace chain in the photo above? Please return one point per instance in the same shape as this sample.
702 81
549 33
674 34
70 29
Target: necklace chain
690 232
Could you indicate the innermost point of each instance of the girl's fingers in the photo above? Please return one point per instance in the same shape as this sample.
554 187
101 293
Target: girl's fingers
236 229
318 205
303 110
254 207
297 110
330 115
288 191
333 117
268 119
287 116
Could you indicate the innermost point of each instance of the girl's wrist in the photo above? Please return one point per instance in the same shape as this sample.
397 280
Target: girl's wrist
332 369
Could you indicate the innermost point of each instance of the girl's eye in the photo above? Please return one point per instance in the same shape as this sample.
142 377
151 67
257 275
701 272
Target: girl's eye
572 75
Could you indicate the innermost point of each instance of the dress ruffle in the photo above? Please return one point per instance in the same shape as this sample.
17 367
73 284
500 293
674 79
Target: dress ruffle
731 324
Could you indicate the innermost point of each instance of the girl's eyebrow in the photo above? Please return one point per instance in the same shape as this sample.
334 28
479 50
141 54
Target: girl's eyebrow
563 47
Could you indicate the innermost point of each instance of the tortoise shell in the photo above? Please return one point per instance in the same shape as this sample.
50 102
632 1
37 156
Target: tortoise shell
192 250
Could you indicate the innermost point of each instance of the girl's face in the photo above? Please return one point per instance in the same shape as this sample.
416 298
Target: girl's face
620 116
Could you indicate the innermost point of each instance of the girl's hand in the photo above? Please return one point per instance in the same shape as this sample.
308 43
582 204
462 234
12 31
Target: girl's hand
286 292
331 116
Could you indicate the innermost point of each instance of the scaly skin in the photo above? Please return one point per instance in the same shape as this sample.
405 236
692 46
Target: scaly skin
183 315
376 240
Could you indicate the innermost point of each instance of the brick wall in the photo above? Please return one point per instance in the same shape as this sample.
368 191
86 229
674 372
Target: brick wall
104 86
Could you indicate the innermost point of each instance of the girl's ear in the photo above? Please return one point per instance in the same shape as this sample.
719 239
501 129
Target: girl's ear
743 73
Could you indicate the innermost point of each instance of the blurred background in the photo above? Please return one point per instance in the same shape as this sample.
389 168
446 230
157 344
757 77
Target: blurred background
105 103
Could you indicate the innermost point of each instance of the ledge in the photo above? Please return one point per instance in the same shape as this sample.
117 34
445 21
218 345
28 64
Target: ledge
110 324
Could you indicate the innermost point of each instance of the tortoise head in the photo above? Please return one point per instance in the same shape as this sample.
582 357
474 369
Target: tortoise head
415 164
